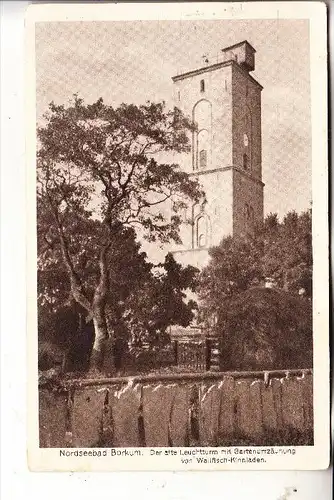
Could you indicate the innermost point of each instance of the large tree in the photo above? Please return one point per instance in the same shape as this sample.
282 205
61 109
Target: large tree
163 301
277 251
147 299
287 251
101 169
265 329
61 319
259 328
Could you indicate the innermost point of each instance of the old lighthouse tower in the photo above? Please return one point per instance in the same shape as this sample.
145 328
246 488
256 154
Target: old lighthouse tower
224 101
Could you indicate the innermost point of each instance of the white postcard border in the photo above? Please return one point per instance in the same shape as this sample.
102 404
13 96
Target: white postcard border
308 457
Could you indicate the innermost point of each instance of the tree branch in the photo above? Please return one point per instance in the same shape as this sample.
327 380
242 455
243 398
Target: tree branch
76 285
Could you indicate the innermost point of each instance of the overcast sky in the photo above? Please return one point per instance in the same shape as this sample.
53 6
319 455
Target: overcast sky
134 62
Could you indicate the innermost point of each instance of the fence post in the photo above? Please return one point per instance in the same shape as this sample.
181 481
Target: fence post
176 353
214 355
208 349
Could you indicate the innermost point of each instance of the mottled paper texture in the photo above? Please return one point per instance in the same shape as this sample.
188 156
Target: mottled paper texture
251 79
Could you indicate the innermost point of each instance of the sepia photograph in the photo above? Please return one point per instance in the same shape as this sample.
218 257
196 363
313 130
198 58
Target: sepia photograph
175 208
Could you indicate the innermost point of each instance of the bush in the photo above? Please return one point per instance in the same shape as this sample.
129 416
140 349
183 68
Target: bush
265 329
49 356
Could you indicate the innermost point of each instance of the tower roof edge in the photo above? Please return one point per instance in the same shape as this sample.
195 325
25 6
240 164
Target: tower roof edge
235 45
213 67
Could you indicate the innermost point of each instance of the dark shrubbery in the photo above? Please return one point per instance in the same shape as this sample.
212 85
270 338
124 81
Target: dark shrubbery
49 356
265 329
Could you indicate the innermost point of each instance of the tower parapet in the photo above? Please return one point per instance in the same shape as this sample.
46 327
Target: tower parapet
242 53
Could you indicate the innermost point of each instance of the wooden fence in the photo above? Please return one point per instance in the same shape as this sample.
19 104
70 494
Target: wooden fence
211 409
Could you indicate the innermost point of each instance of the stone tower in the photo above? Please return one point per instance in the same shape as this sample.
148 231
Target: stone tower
224 101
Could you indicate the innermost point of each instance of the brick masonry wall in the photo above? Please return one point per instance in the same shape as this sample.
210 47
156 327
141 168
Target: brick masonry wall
246 191
246 119
233 108
235 104
218 187
218 91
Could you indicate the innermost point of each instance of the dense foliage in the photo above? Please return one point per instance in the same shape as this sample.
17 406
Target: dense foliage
262 328
266 329
147 300
278 252
99 176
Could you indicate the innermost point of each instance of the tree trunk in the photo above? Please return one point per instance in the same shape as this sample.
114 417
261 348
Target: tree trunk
102 357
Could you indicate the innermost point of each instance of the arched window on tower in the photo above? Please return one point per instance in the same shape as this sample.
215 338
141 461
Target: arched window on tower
202 117
201 231
249 213
247 142
202 159
245 161
201 226
202 148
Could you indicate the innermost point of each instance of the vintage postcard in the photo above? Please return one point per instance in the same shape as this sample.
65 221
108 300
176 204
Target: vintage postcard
178 236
